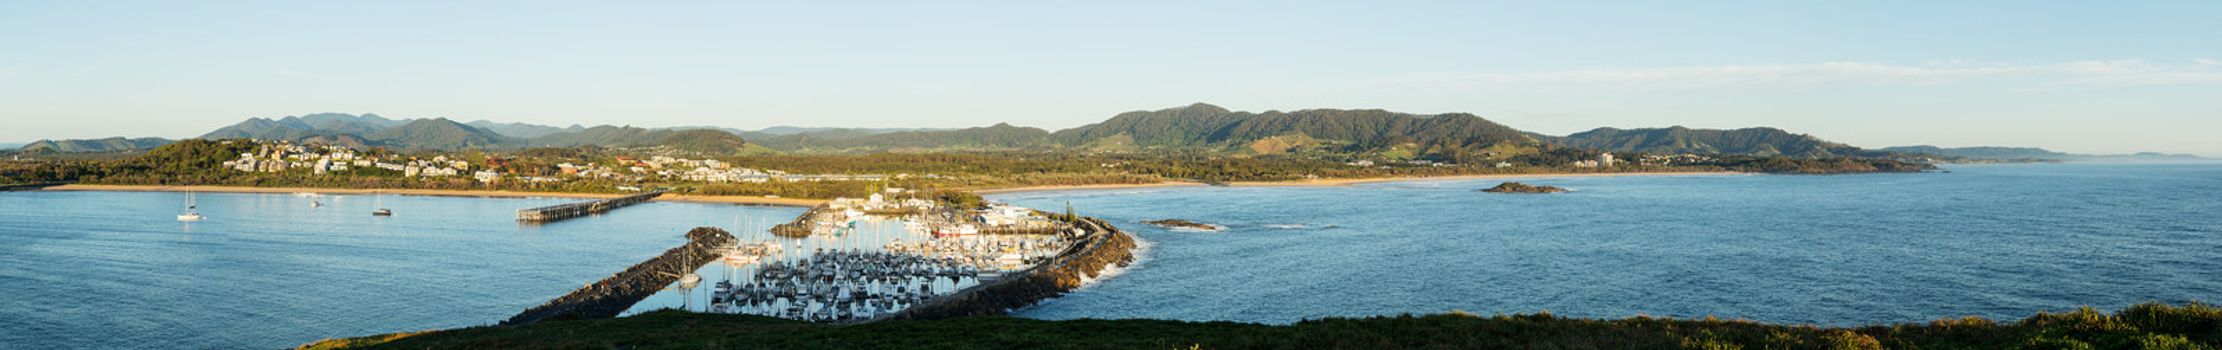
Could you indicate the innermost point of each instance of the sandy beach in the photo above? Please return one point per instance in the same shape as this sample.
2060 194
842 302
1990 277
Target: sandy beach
802 202
799 202
446 193
1347 182
1086 187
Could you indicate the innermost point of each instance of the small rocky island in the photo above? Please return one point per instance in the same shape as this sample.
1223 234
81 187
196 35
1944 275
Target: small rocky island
1515 187
1185 224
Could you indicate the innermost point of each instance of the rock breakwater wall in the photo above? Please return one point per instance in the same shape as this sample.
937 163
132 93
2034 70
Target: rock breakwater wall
611 296
1101 246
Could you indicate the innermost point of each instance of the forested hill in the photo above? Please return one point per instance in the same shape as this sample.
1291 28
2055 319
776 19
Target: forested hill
370 130
692 140
997 137
112 144
1197 127
1988 153
1675 140
1200 127
1207 126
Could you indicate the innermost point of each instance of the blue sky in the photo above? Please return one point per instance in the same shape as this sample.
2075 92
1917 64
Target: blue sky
2089 77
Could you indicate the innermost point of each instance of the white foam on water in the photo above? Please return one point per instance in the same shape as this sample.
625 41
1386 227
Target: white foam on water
1214 228
1141 254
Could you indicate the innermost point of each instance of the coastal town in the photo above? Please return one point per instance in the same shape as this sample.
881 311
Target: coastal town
283 156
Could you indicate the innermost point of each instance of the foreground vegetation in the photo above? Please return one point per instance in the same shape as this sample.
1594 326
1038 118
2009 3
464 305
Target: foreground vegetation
2149 326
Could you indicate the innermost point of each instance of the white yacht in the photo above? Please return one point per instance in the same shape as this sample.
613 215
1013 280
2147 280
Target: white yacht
192 212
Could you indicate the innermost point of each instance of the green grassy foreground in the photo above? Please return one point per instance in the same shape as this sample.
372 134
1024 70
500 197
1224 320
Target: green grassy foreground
2148 326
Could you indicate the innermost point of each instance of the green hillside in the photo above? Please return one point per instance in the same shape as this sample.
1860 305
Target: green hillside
1679 140
1989 153
1368 130
112 144
999 136
436 134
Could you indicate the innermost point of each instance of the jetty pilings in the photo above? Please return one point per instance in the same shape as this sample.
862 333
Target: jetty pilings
611 296
571 210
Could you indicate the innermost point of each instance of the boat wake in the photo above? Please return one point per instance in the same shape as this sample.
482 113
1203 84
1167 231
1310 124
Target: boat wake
1299 226
1214 228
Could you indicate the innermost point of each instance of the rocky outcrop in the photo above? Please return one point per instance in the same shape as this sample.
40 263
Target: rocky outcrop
1185 224
1515 187
613 295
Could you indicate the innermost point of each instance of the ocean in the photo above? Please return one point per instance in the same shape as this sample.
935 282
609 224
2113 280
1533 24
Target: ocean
116 270
1997 241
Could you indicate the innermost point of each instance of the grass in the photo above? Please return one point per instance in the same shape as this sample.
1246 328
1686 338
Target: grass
2148 326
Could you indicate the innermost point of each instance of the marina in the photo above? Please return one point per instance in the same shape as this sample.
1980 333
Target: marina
854 266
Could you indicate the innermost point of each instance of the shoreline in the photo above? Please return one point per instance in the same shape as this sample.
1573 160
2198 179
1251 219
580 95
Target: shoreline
989 191
1345 181
438 193
801 202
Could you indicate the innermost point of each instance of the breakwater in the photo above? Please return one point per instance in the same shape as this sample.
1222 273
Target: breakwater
572 210
611 296
802 226
1101 245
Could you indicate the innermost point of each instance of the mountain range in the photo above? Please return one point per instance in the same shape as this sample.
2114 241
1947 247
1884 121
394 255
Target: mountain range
371 130
1677 139
1994 153
92 145
1195 127
2031 153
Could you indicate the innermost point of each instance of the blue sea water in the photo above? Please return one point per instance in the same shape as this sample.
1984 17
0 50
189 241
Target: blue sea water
115 270
1998 241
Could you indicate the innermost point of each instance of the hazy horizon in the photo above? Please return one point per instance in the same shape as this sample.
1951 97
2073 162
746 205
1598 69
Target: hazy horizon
2103 78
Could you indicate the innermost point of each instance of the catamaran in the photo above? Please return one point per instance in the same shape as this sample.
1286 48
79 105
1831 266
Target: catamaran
192 212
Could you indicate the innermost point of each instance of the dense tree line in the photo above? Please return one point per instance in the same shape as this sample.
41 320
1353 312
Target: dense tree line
199 162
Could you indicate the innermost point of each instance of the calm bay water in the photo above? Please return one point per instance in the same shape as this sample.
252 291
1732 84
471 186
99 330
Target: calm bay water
116 270
2000 241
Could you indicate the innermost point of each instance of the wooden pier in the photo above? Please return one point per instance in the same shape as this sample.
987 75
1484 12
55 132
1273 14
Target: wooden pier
571 210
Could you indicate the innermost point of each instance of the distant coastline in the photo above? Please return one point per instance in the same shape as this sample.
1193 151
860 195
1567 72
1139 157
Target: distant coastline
799 202
804 202
1347 181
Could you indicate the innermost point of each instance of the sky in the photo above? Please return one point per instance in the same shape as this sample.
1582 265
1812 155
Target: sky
2081 76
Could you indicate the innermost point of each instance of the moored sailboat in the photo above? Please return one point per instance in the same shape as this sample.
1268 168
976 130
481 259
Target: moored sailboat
192 211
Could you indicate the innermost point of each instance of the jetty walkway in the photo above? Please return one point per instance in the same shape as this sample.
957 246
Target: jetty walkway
571 210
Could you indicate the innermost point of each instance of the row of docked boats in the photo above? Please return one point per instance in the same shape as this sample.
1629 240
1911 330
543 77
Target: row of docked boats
841 285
